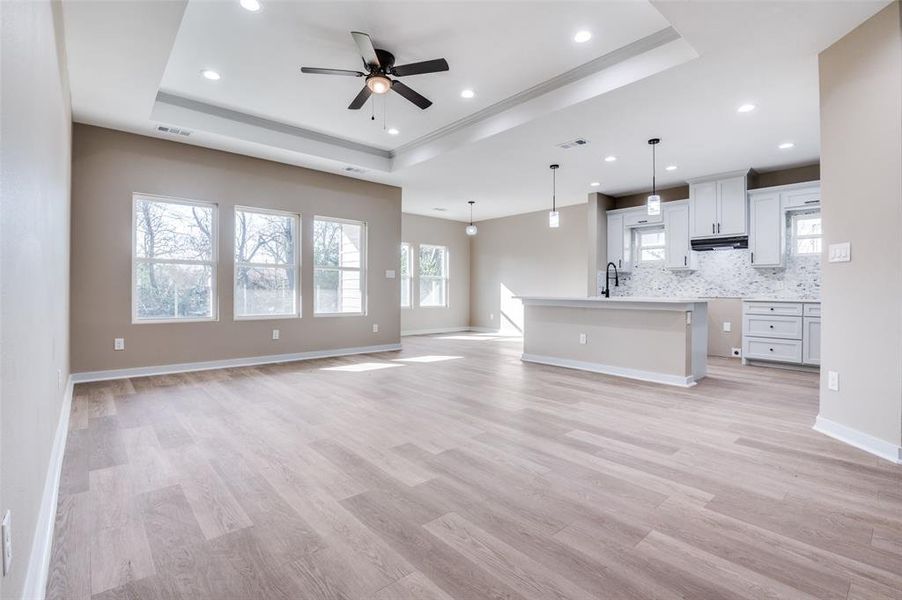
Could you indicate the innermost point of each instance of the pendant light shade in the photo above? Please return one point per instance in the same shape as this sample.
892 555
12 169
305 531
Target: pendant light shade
471 229
653 204
554 217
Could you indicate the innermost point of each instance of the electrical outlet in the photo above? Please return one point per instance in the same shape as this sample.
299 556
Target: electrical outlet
7 542
727 327
275 334
582 338
833 381
389 274
736 352
375 327
119 344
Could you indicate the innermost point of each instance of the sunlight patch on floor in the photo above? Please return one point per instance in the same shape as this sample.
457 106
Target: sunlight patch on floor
361 367
430 358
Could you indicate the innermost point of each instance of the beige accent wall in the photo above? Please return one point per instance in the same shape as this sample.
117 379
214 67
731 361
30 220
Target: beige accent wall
35 141
521 255
720 342
417 229
597 237
108 166
861 203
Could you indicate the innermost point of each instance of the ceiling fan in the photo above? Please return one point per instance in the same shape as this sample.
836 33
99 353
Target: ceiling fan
379 65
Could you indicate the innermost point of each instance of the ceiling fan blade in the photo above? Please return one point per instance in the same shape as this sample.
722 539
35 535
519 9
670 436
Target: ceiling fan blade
366 48
411 95
361 99
317 71
419 68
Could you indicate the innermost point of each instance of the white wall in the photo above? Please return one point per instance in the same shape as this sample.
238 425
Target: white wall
415 230
861 191
35 133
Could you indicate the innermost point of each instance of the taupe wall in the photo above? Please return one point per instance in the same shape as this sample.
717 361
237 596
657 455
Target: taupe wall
861 192
34 266
597 238
720 310
108 166
521 255
415 230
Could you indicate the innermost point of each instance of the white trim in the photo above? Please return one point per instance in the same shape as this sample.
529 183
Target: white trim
39 561
228 363
484 329
859 439
436 330
677 380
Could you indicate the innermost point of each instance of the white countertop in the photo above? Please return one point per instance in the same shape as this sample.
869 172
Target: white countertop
618 302
792 300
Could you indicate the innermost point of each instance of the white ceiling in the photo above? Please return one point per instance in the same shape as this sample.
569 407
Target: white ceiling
617 90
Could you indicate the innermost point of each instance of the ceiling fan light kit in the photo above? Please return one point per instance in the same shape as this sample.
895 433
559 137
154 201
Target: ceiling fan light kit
379 64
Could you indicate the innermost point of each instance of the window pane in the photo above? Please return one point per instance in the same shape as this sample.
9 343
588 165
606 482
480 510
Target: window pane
337 291
653 238
808 246
808 226
432 292
405 260
264 238
432 261
173 231
261 291
337 244
172 291
350 245
651 254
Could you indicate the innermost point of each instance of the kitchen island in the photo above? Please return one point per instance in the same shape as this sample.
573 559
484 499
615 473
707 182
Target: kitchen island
664 340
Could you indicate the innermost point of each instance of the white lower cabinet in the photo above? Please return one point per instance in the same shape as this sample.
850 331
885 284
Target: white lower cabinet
777 331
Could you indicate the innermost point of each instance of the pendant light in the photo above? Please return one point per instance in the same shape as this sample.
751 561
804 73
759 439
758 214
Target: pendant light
653 205
554 218
471 229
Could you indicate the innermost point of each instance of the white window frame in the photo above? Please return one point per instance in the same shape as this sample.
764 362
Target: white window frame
640 247
447 276
795 237
410 276
364 245
297 266
213 262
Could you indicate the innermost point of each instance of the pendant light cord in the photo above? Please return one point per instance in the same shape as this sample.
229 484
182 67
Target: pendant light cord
553 189
471 213
653 170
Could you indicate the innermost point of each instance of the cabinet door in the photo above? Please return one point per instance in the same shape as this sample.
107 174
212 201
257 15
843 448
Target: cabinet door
811 341
676 235
802 197
703 209
732 207
766 231
615 240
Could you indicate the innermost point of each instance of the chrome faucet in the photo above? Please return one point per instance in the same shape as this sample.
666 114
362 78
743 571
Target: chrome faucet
606 292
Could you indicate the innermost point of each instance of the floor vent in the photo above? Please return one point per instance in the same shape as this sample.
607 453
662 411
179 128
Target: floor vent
573 143
173 130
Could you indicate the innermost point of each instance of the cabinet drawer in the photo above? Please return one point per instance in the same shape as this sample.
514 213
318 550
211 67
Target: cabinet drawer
788 309
773 327
772 349
812 310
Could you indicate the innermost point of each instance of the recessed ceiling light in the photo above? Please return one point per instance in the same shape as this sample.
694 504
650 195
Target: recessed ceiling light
595 184
211 74
744 108
467 94
785 145
393 131
582 36
611 158
670 168
251 5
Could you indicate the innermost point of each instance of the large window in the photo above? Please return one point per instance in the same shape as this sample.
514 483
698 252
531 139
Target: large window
406 270
650 245
339 260
266 264
173 260
433 275
806 234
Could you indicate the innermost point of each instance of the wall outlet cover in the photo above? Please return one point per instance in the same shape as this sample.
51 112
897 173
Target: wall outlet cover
833 381
389 274
582 338
119 344
375 327
736 352
275 334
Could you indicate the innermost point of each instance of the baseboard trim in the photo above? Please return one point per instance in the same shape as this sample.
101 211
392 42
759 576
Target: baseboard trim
485 329
650 376
433 331
209 365
859 439
42 543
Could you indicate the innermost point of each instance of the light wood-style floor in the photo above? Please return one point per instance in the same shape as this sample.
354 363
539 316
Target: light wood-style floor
453 470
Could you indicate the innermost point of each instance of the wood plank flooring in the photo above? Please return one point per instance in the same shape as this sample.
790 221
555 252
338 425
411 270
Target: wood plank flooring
453 470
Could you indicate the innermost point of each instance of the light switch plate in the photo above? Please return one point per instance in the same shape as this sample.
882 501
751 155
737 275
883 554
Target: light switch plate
375 327
389 274
833 381
839 252
582 338
727 326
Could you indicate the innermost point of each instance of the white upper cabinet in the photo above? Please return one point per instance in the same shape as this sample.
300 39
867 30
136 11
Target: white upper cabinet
678 256
718 207
618 243
807 196
767 230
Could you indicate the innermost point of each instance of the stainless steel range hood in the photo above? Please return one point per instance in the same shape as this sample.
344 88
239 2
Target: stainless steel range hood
723 243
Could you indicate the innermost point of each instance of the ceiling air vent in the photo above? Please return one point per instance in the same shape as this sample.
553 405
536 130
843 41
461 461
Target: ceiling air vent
173 130
355 170
573 143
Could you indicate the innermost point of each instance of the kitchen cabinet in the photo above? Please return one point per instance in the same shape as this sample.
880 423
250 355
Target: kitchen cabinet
807 196
618 242
811 341
639 217
767 230
718 207
775 331
677 256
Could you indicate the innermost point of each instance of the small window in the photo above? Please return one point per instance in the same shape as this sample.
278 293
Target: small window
266 264
433 272
173 260
650 243
406 270
807 234
339 260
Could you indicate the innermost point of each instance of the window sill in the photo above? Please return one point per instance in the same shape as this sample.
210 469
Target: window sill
165 321
266 317
343 314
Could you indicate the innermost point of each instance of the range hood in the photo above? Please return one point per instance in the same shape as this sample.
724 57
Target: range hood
724 243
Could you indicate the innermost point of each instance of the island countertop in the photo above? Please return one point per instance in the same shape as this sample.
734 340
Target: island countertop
618 302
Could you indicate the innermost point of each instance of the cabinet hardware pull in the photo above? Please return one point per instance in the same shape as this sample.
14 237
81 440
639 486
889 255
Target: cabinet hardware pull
684 261
620 265
645 221
753 258
771 307
771 349
812 201
712 227
771 326
718 228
